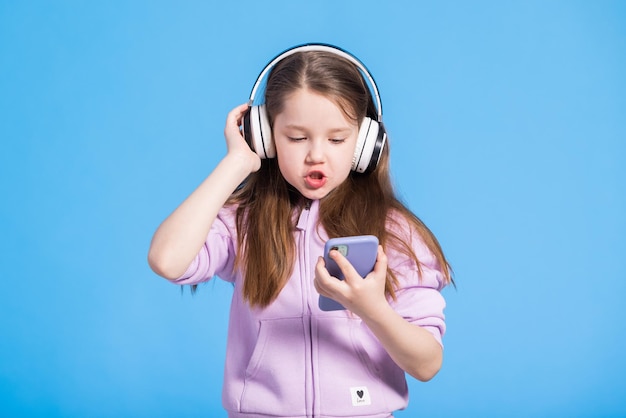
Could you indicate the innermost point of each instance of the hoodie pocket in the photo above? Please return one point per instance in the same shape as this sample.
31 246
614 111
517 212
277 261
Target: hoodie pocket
345 369
275 375
353 370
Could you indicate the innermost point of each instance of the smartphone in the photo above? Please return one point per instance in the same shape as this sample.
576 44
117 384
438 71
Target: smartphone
360 251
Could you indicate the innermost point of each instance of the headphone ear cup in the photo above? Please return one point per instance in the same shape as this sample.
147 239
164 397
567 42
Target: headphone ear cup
369 145
257 132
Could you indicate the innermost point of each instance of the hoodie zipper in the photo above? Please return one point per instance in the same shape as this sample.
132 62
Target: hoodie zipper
303 225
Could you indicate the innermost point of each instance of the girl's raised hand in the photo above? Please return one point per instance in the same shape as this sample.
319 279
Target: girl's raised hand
362 296
235 142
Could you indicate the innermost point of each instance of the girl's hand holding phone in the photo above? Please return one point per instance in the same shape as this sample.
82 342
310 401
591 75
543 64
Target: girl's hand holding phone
363 296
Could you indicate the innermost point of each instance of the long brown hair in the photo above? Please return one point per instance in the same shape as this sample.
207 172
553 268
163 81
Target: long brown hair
362 204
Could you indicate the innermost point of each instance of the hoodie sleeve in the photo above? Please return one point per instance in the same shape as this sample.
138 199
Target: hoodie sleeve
217 256
418 296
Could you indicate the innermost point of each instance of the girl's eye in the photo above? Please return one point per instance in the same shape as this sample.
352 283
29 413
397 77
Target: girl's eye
337 140
296 139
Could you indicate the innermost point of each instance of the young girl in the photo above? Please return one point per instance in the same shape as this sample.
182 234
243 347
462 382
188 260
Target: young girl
261 223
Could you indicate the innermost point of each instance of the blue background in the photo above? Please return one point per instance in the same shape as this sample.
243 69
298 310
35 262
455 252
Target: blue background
507 126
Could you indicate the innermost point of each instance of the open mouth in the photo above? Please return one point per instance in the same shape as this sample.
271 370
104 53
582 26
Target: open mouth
315 179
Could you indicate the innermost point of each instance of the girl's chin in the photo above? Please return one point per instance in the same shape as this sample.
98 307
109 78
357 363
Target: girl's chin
317 195
314 194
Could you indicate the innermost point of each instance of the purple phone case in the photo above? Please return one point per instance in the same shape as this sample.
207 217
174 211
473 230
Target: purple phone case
361 252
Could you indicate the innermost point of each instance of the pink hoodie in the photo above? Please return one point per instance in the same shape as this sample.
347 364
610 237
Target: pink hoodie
293 360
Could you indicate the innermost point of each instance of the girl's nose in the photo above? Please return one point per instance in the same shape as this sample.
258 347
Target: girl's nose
315 152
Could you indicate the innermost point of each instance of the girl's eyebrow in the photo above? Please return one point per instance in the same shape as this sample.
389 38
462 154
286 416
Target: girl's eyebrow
330 131
295 127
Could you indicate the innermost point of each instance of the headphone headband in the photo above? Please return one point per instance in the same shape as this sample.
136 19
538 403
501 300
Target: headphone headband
323 48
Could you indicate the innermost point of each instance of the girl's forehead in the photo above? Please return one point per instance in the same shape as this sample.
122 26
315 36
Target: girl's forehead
304 103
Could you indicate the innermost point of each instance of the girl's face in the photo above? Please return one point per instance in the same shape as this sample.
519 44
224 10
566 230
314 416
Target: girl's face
315 143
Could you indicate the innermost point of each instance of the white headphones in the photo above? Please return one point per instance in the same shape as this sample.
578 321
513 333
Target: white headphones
372 135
